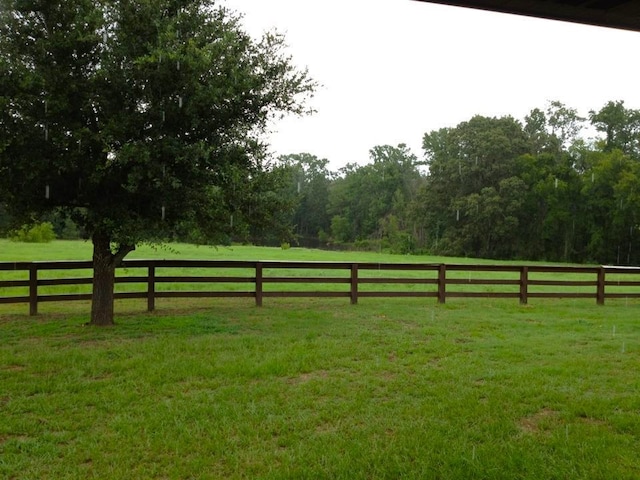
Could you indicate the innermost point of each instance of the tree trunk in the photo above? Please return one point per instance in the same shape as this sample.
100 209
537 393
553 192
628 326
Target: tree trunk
103 281
104 272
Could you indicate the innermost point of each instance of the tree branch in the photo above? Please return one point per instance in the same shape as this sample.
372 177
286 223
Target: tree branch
123 251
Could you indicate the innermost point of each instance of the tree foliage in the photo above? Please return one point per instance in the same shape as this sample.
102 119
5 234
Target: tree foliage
309 186
546 195
499 188
371 201
138 118
621 127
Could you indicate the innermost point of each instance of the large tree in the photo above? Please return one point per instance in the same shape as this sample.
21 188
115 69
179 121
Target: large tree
467 167
134 117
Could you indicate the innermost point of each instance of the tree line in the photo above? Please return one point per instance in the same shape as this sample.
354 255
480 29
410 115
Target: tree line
499 188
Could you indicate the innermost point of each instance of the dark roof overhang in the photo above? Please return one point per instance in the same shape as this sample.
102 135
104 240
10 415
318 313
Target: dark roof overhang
622 14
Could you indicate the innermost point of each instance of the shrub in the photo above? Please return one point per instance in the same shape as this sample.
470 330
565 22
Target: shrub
39 233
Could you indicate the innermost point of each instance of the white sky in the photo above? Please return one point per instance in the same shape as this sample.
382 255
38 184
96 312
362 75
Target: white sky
392 70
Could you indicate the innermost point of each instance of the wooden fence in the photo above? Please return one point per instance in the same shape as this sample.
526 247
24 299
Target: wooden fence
359 280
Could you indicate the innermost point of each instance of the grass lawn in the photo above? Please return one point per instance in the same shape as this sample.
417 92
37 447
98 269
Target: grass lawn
82 250
322 389
79 250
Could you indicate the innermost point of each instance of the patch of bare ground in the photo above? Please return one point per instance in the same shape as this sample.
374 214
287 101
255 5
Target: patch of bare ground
594 422
462 340
538 422
544 421
435 363
326 427
306 377
388 376
17 438
13 368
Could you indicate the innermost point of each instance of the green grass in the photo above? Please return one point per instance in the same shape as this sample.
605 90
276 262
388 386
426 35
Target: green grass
320 389
316 388
82 250
78 250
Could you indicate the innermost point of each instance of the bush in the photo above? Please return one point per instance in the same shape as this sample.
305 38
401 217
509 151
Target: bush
40 233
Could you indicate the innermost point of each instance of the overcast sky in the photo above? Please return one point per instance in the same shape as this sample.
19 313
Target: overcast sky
392 70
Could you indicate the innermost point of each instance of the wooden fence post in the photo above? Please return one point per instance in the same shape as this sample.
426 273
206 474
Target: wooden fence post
524 284
151 288
33 289
442 283
258 284
600 291
354 283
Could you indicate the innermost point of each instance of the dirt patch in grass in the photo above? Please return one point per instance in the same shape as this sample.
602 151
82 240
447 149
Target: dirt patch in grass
16 438
306 377
594 422
326 428
462 340
539 421
13 368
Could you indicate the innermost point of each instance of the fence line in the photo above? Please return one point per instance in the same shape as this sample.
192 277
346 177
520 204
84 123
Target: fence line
429 280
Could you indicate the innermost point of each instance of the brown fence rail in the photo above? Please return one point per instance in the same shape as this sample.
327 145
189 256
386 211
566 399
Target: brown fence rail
266 279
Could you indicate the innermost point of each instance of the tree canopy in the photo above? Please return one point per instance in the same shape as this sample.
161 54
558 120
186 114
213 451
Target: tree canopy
138 119
497 188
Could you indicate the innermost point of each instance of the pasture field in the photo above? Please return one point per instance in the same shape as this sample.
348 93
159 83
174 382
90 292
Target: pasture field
466 280
82 250
388 388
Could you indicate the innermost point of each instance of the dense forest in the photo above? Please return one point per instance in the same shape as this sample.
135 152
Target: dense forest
554 186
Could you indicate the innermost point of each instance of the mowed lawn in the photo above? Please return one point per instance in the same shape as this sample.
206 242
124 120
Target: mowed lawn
388 388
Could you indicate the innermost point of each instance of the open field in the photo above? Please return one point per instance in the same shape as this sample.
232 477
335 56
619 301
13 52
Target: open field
393 388
283 275
385 389
82 250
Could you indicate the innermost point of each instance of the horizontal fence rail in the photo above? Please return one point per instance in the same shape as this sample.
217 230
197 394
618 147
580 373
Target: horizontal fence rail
38 282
